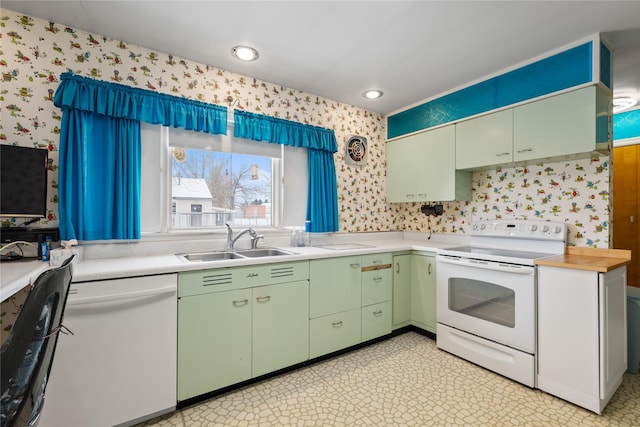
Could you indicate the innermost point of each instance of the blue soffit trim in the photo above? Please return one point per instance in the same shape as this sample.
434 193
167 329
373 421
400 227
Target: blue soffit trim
120 101
626 125
563 70
259 127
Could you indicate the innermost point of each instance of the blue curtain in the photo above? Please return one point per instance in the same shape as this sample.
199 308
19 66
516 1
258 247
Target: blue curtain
322 197
99 170
99 177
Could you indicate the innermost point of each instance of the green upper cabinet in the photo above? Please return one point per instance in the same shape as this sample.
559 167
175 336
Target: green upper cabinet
571 123
422 167
574 124
486 140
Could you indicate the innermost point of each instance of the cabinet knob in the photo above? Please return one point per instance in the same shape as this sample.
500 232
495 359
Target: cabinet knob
240 303
263 299
525 150
355 265
336 324
377 279
506 153
377 313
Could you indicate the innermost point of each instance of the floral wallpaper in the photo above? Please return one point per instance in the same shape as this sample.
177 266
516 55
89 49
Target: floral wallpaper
35 52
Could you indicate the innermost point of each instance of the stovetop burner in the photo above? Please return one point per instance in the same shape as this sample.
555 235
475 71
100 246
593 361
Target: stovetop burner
513 241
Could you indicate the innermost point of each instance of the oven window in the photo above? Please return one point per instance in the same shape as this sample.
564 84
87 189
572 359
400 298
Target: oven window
483 300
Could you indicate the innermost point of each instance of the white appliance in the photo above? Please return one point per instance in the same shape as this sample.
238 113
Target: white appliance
119 366
486 294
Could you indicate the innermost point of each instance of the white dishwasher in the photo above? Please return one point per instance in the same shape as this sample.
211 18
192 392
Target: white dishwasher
119 366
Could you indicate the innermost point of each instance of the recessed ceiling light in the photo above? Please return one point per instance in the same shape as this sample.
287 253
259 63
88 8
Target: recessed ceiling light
372 94
621 104
245 53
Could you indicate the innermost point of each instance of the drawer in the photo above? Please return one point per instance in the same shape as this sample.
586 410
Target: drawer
376 320
334 332
229 278
376 260
377 286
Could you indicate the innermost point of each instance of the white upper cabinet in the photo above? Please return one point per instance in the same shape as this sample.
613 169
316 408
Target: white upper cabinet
486 140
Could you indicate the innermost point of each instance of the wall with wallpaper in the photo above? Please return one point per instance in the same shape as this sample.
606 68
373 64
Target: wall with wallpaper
35 52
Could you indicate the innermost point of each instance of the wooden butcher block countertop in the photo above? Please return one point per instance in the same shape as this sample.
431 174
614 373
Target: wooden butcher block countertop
593 259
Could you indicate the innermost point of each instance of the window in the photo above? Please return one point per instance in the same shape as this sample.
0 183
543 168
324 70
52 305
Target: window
208 180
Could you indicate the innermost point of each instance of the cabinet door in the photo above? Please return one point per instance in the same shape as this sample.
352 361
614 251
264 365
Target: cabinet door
401 164
613 336
335 285
401 290
422 167
214 341
423 292
280 326
484 141
435 173
376 320
377 286
334 332
555 126
568 334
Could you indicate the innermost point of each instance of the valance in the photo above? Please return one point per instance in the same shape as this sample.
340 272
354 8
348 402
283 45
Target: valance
120 101
279 131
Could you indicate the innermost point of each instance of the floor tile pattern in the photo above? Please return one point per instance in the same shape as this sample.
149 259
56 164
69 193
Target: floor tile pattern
403 381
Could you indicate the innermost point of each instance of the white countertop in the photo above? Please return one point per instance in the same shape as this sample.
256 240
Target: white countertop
112 268
15 275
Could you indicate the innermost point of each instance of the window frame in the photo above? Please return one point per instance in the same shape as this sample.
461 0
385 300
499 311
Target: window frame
156 199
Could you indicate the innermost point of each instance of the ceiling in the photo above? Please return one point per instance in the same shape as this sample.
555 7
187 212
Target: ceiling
411 50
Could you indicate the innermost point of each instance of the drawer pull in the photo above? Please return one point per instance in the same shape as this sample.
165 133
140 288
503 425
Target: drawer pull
252 275
429 269
377 261
377 279
263 299
355 265
525 150
240 302
336 324
377 313
506 153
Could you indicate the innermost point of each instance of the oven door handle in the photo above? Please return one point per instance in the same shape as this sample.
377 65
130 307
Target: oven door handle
487 265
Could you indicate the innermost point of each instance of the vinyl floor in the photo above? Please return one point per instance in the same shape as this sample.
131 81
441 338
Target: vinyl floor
402 381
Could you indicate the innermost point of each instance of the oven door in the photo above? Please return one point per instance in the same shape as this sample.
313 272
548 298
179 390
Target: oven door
493 300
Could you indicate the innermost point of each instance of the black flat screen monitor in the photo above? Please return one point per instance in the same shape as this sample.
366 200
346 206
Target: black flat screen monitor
23 181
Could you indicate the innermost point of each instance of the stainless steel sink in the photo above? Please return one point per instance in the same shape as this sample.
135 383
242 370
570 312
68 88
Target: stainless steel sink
227 255
258 253
210 256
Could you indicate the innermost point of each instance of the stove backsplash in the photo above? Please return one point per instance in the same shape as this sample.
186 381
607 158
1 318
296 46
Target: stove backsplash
575 192
35 52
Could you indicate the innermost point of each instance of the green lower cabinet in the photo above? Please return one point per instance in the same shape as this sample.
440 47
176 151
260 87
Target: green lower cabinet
414 291
214 341
402 266
334 332
335 285
376 320
280 326
423 292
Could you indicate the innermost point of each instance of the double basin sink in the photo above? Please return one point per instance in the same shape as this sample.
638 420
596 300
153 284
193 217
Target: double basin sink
228 255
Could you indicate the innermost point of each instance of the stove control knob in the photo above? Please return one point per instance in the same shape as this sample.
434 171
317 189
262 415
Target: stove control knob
475 226
557 229
533 227
545 228
483 226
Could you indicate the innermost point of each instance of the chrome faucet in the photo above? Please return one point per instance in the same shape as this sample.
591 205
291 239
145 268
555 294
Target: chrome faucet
231 240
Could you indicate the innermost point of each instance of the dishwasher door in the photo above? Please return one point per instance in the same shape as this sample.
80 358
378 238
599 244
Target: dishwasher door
119 366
